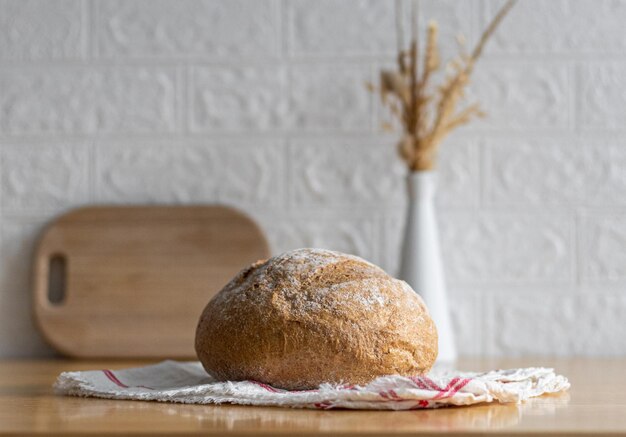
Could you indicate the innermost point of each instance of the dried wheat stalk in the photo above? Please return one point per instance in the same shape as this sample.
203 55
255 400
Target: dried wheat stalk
429 116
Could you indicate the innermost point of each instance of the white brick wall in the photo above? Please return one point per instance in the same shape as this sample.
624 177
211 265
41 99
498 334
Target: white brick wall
261 104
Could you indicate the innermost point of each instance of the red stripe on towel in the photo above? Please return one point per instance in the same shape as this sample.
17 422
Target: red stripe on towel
454 386
109 374
265 386
420 383
432 384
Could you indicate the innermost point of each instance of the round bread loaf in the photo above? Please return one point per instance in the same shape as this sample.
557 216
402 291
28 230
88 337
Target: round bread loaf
313 316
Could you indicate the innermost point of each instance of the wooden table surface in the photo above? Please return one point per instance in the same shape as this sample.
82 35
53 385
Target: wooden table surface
595 405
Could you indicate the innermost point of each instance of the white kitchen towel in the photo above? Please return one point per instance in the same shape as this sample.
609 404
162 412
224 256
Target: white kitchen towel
187 382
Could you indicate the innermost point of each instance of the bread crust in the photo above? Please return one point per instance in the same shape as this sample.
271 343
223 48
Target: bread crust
313 316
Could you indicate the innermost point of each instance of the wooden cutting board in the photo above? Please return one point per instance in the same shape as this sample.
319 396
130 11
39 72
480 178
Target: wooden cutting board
132 281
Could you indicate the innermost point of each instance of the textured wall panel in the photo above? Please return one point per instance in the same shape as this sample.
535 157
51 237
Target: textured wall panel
262 104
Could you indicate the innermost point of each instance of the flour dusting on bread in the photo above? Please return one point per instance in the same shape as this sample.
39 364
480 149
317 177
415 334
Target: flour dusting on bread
311 316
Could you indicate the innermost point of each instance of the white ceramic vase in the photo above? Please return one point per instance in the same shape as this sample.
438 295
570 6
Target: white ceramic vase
421 264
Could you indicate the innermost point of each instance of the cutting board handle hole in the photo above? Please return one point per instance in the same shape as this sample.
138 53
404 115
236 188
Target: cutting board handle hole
57 274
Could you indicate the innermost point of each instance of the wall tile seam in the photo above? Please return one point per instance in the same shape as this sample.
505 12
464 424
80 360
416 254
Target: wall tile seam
537 212
195 143
482 174
475 24
337 207
286 179
573 207
503 59
600 131
313 133
48 212
88 20
2 200
520 131
290 159
596 56
537 139
262 60
257 210
605 282
578 141
571 96
287 65
181 106
534 138
313 212
91 171
280 35
567 134
331 214
495 290
488 339
575 266
95 64
287 23
481 319
444 207
184 74
576 293
509 283
148 141
284 30
218 63
380 230
177 138
374 102
575 103
445 212
606 211
386 250
448 211
367 140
